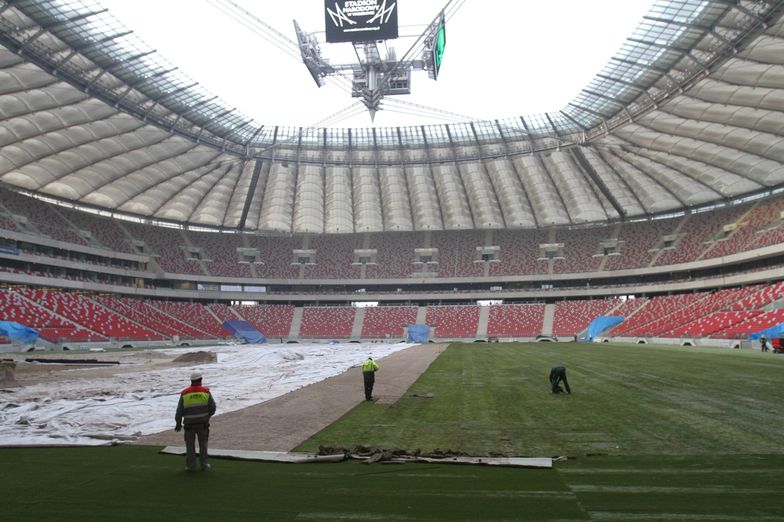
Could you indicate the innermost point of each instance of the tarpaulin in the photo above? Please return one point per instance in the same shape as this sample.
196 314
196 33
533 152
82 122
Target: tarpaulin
245 330
18 332
418 333
773 331
601 324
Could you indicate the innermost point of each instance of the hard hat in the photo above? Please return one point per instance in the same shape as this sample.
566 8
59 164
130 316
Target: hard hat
196 376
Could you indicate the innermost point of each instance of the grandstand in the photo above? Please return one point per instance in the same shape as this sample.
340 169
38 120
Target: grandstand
128 215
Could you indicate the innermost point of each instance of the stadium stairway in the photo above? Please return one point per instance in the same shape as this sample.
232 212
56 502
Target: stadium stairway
484 318
296 323
774 305
549 318
612 310
741 221
421 315
212 313
359 318
676 232
110 311
161 311
614 234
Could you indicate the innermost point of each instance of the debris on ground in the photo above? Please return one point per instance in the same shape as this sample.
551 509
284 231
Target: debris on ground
42 360
371 455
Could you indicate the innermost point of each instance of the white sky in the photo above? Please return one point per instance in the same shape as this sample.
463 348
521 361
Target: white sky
503 57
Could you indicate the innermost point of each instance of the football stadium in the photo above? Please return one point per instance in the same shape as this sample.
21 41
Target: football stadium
153 235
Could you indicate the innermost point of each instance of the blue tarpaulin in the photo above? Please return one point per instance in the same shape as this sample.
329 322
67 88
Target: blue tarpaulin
418 333
244 330
18 332
601 324
773 331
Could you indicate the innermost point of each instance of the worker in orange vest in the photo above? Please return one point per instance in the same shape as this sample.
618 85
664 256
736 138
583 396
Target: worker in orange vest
194 410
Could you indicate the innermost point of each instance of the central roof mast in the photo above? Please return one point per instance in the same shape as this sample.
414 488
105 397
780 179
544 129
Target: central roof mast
365 24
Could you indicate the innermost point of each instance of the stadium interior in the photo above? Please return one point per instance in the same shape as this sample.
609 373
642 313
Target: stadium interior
137 209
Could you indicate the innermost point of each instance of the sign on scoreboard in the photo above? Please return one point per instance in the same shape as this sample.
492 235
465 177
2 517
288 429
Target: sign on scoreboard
360 20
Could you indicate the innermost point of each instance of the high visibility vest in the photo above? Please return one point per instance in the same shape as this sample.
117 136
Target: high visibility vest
196 405
369 366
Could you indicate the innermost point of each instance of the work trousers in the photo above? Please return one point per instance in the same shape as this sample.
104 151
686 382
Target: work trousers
557 376
370 380
202 432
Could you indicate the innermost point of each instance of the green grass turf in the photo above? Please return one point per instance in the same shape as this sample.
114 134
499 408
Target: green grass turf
135 483
485 399
698 436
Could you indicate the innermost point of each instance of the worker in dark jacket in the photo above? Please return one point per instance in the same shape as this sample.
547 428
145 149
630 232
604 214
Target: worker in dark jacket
558 375
194 410
369 369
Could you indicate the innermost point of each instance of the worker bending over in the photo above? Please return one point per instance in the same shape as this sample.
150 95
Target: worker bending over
558 375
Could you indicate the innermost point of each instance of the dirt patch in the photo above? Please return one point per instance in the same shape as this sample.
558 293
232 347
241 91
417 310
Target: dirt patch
27 373
197 358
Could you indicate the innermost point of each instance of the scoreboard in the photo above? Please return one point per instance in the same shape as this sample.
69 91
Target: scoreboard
360 20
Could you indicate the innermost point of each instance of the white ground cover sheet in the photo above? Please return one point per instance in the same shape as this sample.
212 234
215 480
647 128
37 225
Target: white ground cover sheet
124 407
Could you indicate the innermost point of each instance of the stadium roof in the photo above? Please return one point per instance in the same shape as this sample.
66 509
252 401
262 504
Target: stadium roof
687 113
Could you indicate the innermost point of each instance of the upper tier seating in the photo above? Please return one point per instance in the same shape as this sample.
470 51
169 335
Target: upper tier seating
519 252
168 246
327 322
395 257
697 236
457 252
220 253
107 232
7 222
636 243
276 255
515 320
580 249
388 321
334 257
44 217
753 225
453 320
694 235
